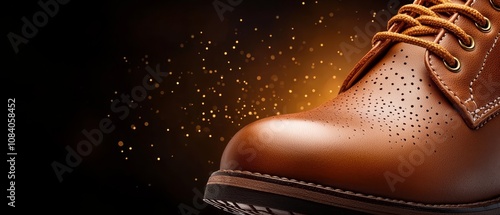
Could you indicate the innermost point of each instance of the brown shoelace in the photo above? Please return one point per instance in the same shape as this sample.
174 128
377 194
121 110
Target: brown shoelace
420 20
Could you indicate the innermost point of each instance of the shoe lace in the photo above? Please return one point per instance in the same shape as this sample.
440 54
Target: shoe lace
419 20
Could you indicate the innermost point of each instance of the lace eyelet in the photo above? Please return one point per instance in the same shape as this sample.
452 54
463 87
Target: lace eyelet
455 68
468 47
486 28
496 7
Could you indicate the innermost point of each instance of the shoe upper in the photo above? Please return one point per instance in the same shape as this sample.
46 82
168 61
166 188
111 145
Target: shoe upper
405 126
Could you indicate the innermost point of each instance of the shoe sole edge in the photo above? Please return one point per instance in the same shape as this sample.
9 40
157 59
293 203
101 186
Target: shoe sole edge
250 188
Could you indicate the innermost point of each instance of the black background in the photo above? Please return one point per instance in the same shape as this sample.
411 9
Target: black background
66 76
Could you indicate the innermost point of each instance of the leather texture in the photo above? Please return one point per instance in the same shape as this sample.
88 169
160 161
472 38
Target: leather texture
472 89
404 127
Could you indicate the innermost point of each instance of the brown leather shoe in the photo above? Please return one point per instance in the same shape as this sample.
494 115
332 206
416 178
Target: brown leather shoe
413 131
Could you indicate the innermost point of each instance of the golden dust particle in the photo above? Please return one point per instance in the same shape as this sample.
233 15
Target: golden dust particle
195 179
221 139
330 14
303 3
311 49
121 151
334 77
120 143
241 20
152 145
259 78
182 45
273 57
274 78
187 135
146 123
248 55
158 158
133 127
130 148
126 158
277 17
255 29
290 47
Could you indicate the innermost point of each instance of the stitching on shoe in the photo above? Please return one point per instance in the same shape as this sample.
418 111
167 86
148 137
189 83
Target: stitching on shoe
487 120
439 77
486 108
489 105
355 193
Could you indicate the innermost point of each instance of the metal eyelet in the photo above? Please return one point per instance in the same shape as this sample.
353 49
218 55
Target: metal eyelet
496 7
486 28
455 68
468 47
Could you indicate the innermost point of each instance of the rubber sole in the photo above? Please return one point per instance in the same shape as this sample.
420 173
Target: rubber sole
241 192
